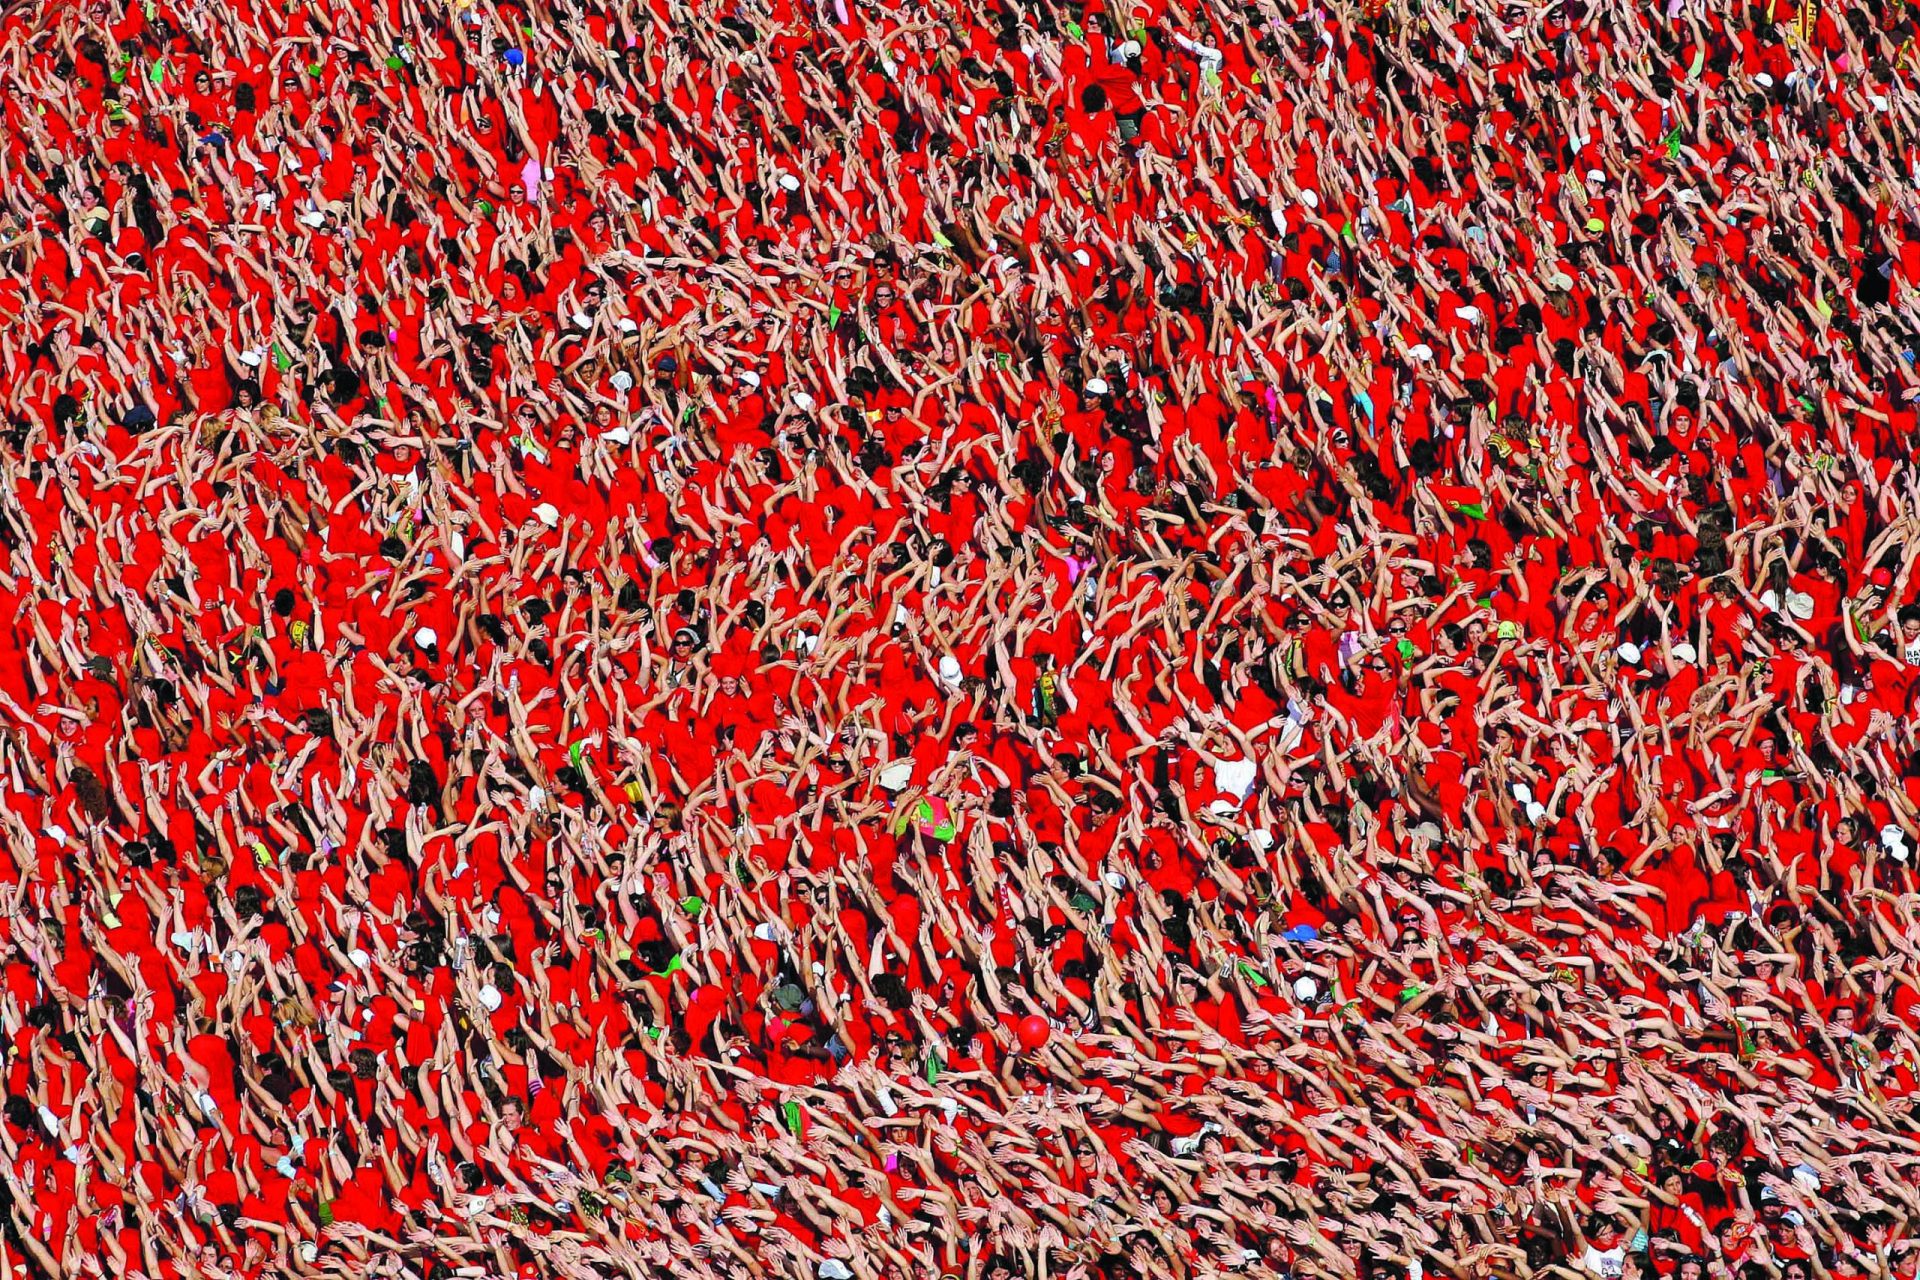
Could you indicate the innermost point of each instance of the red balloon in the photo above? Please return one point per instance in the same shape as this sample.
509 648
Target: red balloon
1033 1032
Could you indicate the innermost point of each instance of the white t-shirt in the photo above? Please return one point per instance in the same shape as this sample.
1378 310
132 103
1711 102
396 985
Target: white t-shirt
1235 777
1605 1263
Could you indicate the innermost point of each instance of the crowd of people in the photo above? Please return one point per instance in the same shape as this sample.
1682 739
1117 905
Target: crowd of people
870 640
